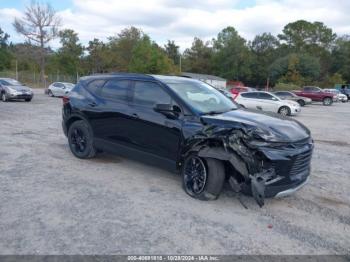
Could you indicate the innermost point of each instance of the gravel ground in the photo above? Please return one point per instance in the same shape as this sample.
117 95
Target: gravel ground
54 203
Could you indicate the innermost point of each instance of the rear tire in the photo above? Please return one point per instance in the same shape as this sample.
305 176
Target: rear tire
28 99
203 178
80 139
327 101
284 111
49 92
301 102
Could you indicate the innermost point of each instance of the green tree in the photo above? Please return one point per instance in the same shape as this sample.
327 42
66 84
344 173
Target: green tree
121 48
264 52
231 55
304 36
295 69
198 58
148 57
5 54
68 57
98 59
172 51
341 57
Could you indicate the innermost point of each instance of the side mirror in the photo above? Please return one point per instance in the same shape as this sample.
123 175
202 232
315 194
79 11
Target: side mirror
170 111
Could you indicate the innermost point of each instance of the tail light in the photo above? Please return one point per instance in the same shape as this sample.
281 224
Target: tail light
65 100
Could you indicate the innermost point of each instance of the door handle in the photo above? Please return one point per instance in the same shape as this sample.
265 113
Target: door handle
92 104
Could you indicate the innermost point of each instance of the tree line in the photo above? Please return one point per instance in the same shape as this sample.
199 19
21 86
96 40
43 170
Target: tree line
303 53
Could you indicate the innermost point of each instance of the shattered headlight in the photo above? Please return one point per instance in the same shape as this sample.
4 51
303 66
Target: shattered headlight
260 137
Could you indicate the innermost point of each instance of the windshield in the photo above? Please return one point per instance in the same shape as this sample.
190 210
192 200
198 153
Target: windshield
201 96
12 82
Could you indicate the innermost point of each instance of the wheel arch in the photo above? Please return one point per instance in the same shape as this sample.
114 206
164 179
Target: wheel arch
282 106
76 117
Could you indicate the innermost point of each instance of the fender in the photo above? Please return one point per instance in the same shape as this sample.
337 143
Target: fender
75 117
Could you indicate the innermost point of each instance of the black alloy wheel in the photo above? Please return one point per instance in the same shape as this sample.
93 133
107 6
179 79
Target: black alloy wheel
195 176
81 140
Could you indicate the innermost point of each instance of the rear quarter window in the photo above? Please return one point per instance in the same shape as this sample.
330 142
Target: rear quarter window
116 90
95 85
249 95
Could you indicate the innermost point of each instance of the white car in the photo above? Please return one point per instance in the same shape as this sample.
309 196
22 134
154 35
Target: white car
59 89
269 102
338 96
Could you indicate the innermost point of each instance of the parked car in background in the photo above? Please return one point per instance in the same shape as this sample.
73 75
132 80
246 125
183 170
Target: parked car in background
11 89
239 89
286 95
160 120
226 93
344 89
316 94
59 89
338 95
269 102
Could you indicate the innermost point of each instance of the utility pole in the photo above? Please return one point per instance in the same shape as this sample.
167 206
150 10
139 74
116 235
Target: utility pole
180 63
16 70
267 83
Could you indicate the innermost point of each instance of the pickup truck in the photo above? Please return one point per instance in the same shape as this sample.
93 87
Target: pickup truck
316 94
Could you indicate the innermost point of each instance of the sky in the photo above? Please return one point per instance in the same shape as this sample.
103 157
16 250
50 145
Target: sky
182 20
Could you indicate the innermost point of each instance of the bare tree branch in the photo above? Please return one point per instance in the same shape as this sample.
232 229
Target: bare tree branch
40 25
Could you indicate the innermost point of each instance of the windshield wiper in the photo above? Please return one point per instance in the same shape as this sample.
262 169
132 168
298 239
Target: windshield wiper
216 112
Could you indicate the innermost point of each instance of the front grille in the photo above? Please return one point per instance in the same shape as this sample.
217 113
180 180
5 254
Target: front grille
301 165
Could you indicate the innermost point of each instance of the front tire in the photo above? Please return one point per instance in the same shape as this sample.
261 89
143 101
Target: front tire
327 101
203 178
3 97
80 140
49 92
28 99
284 111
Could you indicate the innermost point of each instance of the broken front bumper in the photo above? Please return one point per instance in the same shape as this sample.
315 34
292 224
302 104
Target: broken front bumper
291 191
285 170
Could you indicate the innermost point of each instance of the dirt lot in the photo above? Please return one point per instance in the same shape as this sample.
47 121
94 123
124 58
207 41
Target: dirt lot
53 203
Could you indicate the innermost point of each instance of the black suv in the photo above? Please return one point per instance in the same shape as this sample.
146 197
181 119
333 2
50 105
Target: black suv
192 128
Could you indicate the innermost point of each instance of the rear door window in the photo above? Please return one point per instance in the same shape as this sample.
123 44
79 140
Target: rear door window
116 90
249 95
265 96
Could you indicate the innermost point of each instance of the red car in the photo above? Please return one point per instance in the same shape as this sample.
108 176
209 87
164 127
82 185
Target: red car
316 94
238 89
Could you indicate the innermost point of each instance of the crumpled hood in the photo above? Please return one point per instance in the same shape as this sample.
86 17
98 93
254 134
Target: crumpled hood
20 88
271 127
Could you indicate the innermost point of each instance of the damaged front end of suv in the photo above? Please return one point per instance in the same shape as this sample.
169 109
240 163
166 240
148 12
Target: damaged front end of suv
265 161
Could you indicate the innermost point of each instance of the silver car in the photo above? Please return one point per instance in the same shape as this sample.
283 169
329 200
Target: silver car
59 89
11 89
338 95
286 95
